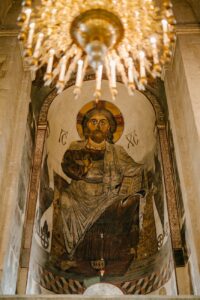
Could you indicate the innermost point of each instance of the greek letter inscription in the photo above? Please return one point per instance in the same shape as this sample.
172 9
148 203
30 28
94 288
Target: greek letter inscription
63 137
132 139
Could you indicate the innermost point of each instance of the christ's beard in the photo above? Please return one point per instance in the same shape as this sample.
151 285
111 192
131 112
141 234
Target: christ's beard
98 136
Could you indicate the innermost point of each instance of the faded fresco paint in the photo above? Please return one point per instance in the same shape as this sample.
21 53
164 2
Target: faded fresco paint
101 213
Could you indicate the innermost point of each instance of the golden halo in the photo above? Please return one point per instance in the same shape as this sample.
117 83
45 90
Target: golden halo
101 105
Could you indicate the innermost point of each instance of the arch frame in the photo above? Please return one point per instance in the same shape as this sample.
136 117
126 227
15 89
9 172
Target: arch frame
37 162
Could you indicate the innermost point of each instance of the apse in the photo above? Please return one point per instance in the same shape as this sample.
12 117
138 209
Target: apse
101 215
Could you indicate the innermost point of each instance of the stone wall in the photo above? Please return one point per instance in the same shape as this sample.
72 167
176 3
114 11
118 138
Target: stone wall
196 7
4 8
182 89
15 144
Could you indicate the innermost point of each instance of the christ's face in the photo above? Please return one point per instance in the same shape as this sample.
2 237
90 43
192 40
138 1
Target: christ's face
99 127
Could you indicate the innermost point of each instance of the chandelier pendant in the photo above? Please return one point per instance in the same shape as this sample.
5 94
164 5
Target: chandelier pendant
126 39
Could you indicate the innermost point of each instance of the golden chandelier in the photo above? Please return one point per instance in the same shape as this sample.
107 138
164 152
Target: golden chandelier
126 39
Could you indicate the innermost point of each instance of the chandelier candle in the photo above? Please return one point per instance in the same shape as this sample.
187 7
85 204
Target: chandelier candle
30 35
79 73
50 61
38 45
99 77
126 40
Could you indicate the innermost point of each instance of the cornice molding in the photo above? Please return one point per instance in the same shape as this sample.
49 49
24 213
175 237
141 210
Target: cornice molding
180 29
14 33
9 32
187 29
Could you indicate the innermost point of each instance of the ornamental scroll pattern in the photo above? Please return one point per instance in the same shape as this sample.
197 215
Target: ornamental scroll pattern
33 191
170 191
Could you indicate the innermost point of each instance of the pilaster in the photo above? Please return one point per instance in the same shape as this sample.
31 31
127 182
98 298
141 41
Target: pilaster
182 84
15 86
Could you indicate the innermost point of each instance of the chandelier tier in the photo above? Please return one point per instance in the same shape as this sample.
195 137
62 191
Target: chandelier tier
130 39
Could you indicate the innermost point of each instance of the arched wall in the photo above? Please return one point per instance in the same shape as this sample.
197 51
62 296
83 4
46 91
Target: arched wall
170 194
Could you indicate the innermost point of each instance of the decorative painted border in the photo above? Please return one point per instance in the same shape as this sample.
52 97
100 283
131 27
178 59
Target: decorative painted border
61 285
